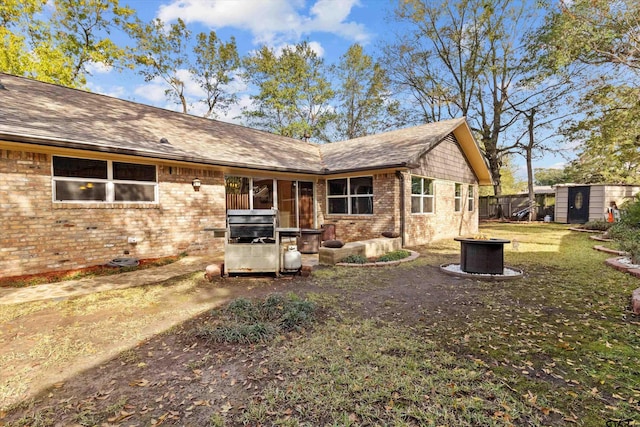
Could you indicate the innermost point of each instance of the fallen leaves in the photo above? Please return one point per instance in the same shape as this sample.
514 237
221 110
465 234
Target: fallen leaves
140 383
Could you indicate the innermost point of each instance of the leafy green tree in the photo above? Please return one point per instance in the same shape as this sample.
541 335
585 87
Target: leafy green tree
464 58
605 36
215 67
15 17
595 32
58 43
610 136
549 176
293 92
162 52
364 98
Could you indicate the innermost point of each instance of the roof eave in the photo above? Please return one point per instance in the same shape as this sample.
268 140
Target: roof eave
401 165
474 156
85 146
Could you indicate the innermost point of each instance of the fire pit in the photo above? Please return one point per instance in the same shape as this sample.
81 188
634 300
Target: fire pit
482 256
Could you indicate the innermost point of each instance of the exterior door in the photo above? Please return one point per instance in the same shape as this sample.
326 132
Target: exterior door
578 205
305 204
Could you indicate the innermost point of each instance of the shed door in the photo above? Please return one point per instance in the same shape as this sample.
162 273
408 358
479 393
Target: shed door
578 205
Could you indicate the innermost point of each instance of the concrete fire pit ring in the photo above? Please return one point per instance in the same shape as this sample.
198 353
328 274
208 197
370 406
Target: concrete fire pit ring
509 273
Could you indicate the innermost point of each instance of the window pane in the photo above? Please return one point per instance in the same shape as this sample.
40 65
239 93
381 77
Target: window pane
134 193
427 206
362 185
78 190
134 172
79 168
337 187
458 190
237 192
416 185
428 186
415 204
457 207
262 193
338 205
361 205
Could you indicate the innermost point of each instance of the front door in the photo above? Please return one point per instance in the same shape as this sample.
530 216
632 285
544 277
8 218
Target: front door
578 205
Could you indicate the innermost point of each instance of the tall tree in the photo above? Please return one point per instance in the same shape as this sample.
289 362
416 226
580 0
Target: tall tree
595 32
364 102
293 92
549 176
15 18
605 36
215 67
162 52
463 58
59 43
540 103
609 135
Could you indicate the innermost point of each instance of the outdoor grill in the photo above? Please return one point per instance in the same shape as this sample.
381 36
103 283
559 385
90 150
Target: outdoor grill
252 241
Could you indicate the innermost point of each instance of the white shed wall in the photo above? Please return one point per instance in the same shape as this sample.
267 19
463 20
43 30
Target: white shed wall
562 205
600 195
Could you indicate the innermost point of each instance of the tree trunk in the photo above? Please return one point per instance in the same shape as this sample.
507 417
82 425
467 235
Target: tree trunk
529 154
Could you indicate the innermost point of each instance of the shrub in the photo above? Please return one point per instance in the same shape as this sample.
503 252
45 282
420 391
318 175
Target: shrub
626 232
355 259
394 256
630 211
597 225
244 321
628 238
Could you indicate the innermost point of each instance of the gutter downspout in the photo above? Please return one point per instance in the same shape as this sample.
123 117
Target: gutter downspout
400 176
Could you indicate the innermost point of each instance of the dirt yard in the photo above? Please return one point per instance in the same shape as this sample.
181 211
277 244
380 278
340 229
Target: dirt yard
129 357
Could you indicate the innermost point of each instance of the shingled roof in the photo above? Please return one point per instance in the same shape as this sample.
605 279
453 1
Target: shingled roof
47 114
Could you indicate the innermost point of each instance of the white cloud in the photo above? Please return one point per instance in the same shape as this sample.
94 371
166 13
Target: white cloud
270 21
98 68
153 91
113 91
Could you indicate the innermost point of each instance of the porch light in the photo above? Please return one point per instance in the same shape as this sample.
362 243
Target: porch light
196 184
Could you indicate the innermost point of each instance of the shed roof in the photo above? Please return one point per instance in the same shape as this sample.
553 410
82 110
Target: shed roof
47 114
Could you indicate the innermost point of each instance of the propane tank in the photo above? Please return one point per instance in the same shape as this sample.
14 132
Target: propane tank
292 259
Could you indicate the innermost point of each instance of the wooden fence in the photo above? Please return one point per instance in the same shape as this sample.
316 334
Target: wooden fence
490 206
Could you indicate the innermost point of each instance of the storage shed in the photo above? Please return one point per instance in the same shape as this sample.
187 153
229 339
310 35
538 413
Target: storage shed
580 203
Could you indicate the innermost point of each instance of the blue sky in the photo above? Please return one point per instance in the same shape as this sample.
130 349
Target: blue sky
330 26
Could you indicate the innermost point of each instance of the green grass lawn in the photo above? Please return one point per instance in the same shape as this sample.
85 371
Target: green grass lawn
399 346
558 347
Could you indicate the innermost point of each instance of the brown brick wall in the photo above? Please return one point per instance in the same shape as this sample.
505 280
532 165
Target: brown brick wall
385 216
446 164
444 223
38 235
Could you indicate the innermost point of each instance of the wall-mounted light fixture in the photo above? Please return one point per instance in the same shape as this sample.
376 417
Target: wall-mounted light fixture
196 184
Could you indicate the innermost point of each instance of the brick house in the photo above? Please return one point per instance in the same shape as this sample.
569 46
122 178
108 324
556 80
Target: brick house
85 178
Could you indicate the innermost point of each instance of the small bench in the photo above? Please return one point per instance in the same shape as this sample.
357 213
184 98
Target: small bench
366 248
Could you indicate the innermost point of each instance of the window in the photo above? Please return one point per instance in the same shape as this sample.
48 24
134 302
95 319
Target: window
458 198
470 198
89 180
422 195
350 196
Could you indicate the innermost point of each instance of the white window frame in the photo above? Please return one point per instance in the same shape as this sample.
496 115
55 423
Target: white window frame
423 196
457 197
349 197
109 182
470 198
